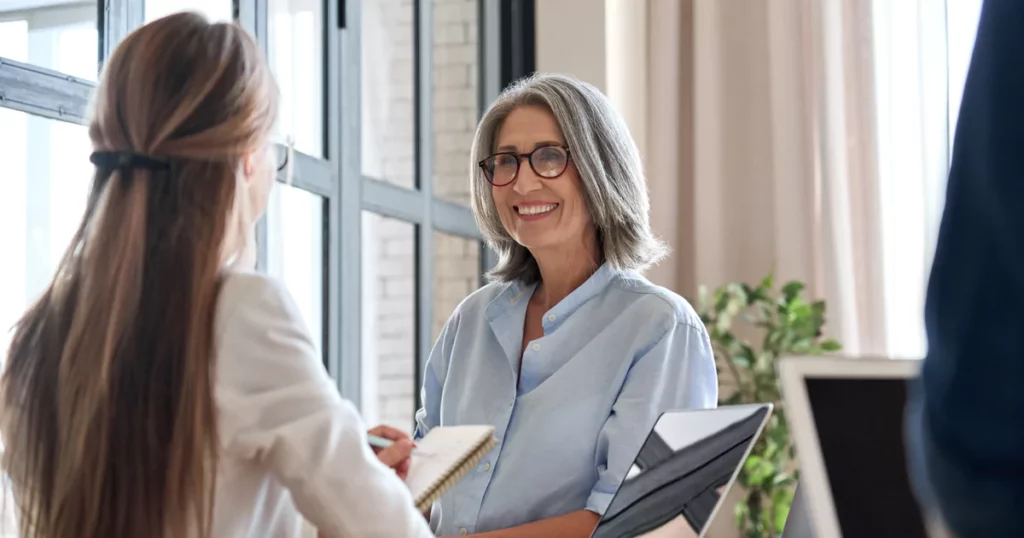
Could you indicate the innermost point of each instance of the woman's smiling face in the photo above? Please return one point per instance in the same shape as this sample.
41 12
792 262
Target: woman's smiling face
540 213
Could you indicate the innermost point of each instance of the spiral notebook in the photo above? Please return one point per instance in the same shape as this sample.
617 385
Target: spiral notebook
443 457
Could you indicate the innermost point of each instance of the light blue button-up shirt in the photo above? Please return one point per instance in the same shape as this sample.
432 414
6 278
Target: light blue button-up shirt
616 353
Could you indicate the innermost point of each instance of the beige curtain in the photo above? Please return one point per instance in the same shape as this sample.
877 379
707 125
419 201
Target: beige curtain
760 150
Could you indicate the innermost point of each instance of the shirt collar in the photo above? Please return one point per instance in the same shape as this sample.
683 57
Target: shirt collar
515 293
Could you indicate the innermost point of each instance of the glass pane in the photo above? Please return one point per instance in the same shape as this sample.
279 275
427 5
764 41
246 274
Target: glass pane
295 250
296 55
57 35
389 321
456 99
43 193
387 91
215 10
456 275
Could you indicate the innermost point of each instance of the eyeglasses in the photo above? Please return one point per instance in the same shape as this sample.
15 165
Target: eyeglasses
548 162
283 151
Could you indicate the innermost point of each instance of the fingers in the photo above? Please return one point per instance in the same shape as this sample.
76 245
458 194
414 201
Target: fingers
402 469
397 454
388 432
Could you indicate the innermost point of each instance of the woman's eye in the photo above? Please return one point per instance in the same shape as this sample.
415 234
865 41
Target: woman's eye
549 155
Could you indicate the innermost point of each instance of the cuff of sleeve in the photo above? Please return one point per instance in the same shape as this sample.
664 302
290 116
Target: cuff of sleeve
598 502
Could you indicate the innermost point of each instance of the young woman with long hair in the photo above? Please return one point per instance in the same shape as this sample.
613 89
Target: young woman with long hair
158 388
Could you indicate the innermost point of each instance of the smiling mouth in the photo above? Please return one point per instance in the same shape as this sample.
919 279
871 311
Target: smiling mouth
535 209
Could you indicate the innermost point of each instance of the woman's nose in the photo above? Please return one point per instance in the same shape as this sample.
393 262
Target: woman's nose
527 180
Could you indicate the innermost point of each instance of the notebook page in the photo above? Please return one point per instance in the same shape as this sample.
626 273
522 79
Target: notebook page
439 453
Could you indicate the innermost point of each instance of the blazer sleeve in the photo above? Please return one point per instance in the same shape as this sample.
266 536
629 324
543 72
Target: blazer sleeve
677 372
278 406
966 418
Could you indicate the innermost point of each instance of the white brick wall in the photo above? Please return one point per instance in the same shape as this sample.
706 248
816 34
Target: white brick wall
394 308
456 99
456 275
456 260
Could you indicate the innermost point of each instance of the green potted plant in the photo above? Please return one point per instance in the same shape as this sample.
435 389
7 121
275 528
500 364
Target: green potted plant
783 322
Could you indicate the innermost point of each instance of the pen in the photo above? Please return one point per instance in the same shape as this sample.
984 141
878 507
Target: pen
380 442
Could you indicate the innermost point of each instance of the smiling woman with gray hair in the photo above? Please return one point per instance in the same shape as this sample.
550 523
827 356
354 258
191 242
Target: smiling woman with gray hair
569 353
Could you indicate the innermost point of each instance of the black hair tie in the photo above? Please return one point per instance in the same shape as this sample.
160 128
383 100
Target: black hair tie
126 161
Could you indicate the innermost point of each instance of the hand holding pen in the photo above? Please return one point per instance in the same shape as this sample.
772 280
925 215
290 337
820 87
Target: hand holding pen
393 447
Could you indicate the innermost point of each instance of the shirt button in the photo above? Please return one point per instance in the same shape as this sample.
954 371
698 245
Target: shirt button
463 531
552 317
487 467
536 347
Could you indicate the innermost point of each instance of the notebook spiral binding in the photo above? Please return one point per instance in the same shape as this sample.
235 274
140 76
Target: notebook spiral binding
434 492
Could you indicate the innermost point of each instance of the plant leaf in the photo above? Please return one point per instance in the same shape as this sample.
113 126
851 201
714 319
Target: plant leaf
778 322
792 289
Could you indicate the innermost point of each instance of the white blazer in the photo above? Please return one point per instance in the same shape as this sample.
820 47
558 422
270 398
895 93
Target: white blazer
291 448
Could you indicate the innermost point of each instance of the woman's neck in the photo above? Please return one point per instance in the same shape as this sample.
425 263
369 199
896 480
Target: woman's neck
562 270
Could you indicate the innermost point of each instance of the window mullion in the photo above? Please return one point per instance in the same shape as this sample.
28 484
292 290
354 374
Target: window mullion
43 92
423 93
117 19
343 109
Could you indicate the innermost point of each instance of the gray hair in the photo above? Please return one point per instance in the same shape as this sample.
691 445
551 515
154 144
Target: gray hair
608 161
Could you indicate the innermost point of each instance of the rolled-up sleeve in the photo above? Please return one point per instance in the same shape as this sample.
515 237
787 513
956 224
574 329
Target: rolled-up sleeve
677 372
429 416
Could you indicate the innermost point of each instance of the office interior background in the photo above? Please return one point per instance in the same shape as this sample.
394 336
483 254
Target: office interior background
804 137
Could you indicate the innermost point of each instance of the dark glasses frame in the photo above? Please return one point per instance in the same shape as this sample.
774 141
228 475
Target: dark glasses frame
488 170
283 152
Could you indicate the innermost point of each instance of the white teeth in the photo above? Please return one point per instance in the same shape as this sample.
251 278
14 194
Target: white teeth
536 209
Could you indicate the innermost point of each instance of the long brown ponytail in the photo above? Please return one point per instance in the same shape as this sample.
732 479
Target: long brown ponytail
109 421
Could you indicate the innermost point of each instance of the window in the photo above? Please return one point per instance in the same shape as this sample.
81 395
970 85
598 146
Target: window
456 275
296 54
961 28
456 95
419 99
922 50
388 92
295 238
42 197
389 321
47 169
295 251
56 35
215 10
373 237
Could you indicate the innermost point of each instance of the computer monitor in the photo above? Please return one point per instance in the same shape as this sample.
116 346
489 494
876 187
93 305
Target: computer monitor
798 522
687 464
846 418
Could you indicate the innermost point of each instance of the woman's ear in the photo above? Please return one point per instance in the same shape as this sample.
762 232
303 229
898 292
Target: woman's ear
249 166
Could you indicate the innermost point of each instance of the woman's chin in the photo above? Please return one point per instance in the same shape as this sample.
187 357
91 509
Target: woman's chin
545 245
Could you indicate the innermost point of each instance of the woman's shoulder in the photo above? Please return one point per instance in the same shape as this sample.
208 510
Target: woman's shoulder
638 293
250 299
476 303
239 289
